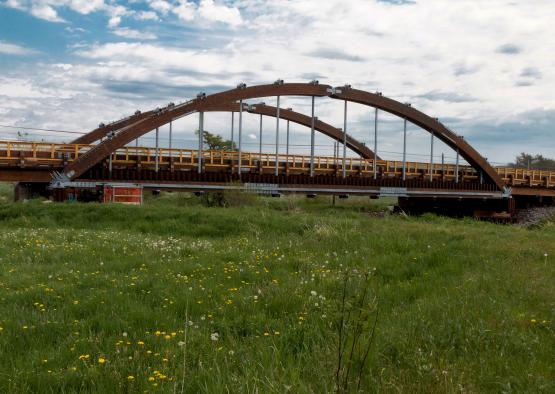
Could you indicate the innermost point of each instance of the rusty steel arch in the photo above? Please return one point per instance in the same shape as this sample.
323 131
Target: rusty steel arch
103 130
259 109
296 117
376 100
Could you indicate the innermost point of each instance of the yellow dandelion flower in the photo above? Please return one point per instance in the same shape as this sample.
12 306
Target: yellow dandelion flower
101 360
140 343
151 379
130 377
84 357
266 334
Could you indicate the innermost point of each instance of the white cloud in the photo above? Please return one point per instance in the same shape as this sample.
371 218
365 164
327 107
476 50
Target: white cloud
207 11
17 4
161 6
135 34
14 49
114 21
147 15
213 12
185 11
86 6
46 12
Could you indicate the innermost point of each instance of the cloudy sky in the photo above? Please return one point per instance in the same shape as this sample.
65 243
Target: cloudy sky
485 68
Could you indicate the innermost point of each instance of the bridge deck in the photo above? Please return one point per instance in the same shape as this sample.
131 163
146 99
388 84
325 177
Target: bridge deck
18 158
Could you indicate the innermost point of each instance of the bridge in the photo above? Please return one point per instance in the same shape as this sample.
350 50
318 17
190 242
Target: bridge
110 154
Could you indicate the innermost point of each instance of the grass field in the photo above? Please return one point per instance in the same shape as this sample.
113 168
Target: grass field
174 296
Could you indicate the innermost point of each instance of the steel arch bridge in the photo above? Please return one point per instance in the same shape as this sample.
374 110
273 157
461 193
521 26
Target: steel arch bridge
105 155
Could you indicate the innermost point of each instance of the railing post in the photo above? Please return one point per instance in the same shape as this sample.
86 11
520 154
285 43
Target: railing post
260 142
240 136
277 137
200 139
312 140
170 144
376 144
345 140
442 166
432 157
287 142
404 150
457 167
157 160
232 128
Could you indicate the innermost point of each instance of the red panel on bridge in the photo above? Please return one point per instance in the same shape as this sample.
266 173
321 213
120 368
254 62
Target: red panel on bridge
123 194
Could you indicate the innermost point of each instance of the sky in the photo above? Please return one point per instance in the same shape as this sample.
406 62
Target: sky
484 68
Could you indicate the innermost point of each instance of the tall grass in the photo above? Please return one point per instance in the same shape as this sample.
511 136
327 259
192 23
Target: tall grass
176 296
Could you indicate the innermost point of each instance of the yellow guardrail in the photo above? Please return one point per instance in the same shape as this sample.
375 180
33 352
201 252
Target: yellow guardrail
57 154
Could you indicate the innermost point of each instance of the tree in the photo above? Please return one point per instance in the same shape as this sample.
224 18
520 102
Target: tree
216 142
529 161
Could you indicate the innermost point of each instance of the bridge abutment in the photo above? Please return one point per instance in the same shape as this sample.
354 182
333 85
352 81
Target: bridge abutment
460 207
28 190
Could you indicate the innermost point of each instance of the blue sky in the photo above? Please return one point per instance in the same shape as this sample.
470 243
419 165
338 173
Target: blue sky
484 68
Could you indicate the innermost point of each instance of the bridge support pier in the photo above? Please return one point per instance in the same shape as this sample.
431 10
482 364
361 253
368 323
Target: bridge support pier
26 191
502 209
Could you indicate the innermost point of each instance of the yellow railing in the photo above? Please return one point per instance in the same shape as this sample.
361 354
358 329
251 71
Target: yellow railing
56 154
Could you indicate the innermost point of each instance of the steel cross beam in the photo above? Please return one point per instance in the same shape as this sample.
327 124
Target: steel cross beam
138 127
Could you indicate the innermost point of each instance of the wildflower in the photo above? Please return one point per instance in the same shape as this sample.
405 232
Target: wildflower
313 293
167 337
130 377
533 321
151 379
141 343
181 343
214 336
266 334
75 302
84 357
101 360
276 332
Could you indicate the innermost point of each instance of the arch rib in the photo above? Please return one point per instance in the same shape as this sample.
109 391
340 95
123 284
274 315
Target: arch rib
266 110
296 117
424 121
140 127
101 132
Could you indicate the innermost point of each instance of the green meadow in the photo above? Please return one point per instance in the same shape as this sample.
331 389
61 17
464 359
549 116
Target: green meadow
270 296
